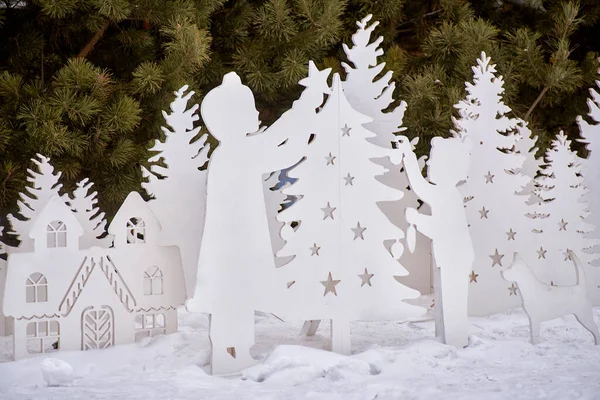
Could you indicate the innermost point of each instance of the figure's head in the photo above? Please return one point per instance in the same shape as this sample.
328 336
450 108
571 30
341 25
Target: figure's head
516 270
449 160
228 111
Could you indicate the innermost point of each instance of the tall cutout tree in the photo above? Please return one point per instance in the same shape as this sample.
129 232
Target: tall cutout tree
495 212
177 183
345 250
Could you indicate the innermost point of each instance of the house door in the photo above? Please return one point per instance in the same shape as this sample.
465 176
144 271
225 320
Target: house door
97 328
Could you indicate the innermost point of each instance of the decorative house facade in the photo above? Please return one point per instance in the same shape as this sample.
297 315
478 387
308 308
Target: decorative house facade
64 298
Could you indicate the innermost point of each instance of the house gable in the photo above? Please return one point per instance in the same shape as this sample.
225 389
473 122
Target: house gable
100 265
134 223
55 227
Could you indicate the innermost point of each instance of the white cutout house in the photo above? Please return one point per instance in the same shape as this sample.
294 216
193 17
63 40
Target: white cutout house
64 298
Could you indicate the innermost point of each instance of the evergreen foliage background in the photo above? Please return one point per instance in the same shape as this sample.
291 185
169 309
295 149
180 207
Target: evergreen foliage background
83 81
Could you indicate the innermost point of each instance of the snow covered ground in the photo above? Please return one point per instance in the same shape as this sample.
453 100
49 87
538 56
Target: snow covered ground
396 360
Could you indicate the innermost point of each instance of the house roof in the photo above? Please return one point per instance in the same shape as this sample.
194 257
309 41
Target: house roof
106 266
55 210
133 206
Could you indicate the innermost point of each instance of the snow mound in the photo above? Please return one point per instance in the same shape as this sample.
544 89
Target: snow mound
293 365
57 372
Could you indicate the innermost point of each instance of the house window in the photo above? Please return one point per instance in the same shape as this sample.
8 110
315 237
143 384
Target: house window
56 234
148 325
153 281
43 337
136 230
36 288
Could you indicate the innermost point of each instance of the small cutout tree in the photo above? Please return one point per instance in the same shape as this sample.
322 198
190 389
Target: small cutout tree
83 203
496 214
177 183
44 183
345 250
562 221
590 132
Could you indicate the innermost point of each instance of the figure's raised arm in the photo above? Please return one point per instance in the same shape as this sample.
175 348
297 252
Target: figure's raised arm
418 183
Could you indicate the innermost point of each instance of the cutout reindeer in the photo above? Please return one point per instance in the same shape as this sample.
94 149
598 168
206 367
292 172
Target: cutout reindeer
544 302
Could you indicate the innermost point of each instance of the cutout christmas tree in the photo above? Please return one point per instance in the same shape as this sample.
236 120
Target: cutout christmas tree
83 203
371 96
563 227
496 214
345 250
43 185
590 132
525 145
177 183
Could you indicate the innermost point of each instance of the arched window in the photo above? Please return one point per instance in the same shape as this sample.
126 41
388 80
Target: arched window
136 230
43 337
36 288
153 281
56 234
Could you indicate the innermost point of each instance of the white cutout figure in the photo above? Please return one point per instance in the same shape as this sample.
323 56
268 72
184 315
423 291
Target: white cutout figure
236 269
447 227
544 302
495 211
179 187
83 203
44 185
345 250
63 297
590 133
371 96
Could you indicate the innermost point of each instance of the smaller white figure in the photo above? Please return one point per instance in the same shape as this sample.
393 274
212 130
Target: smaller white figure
447 228
544 302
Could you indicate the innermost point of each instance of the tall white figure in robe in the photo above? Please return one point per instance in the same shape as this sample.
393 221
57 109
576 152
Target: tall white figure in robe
236 268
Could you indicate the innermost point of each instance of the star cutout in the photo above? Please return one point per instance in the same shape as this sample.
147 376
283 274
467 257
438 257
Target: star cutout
484 213
512 290
473 277
366 278
349 180
489 178
496 258
330 158
562 225
316 79
567 255
358 231
511 234
330 284
314 251
541 253
346 130
328 211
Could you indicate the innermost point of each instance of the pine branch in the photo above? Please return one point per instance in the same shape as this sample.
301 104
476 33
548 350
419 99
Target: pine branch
535 103
89 46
